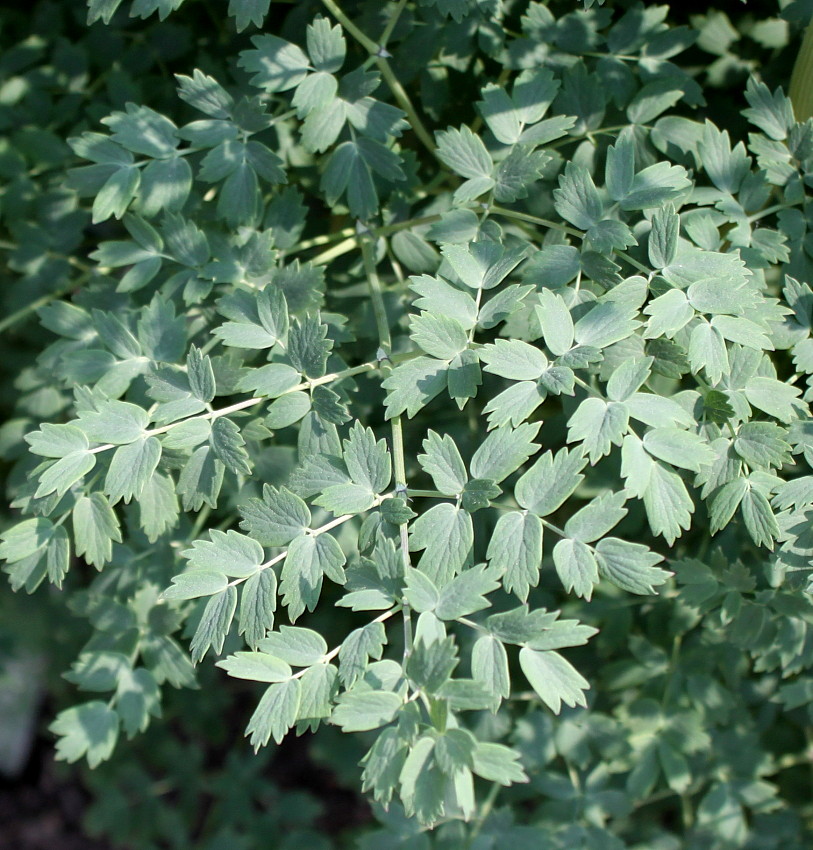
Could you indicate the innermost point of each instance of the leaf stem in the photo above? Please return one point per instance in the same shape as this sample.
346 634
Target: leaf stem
554 528
324 239
392 23
314 532
200 520
485 811
396 226
376 295
674 663
35 305
801 80
343 247
571 231
337 649
587 388
472 625
250 402
790 760
406 104
364 40
770 211
380 55
533 219
346 232
686 811
399 463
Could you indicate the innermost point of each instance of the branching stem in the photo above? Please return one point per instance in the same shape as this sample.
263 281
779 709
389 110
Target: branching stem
337 649
250 402
376 50
314 532
364 40
571 231
392 23
347 232
485 811
35 305
770 211
400 94
385 340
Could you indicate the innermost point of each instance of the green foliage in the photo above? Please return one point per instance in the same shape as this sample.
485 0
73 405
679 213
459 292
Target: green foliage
497 350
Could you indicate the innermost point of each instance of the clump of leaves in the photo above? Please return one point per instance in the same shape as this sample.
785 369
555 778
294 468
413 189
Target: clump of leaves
474 426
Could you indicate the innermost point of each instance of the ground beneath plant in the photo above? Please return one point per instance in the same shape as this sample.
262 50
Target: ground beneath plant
40 810
43 807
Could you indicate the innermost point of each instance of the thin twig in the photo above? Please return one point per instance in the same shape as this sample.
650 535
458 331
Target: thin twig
385 340
377 51
250 402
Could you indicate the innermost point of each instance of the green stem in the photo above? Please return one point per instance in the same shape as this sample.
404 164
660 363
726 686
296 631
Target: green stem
595 393
208 346
23 312
555 225
324 239
801 81
284 116
347 232
365 41
398 451
314 532
472 625
395 227
376 295
343 247
669 687
575 781
554 528
587 388
791 760
250 402
405 103
770 211
686 811
485 811
398 455
337 649
200 521
64 516
376 50
322 529
392 23
533 219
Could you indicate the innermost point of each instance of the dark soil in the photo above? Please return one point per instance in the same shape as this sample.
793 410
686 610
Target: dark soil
293 769
42 808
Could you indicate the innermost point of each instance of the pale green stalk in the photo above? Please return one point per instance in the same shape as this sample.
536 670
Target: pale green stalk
380 56
801 81
42 301
571 231
250 402
385 341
